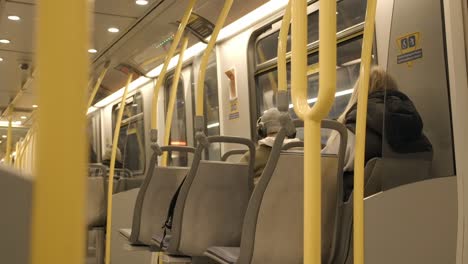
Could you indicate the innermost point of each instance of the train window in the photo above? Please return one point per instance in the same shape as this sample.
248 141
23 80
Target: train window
212 106
94 137
131 139
178 135
349 53
349 13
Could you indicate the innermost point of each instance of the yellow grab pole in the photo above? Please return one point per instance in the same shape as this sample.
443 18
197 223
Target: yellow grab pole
170 54
172 98
282 49
9 136
313 116
58 222
97 85
206 55
359 160
115 142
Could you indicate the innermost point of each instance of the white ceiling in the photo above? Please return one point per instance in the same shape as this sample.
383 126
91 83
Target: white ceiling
140 28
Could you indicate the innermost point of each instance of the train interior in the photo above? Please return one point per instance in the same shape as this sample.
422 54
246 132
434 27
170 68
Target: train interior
168 176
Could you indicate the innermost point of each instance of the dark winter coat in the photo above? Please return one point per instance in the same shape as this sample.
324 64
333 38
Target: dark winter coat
390 115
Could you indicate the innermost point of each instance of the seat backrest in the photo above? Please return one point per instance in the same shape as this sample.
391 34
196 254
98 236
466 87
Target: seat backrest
279 227
212 202
396 169
382 174
154 197
96 201
16 208
233 153
277 204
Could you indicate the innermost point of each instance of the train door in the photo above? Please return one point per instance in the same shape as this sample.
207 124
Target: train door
182 130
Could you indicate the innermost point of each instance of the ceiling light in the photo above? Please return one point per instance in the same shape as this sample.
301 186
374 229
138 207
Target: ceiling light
92 51
14 18
141 2
113 30
35 106
4 136
5 41
1 59
1 142
23 117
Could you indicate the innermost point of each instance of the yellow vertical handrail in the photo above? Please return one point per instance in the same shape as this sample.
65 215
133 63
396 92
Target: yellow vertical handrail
58 214
172 98
282 49
204 62
162 75
115 142
97 85
9 136
359 160
313 116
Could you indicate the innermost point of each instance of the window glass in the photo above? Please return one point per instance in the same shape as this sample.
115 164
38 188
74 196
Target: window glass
212 106
178 135
131 142
349 13
94 138
349 53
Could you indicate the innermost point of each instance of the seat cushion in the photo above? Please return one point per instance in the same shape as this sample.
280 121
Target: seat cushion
157 239
125 232
224 255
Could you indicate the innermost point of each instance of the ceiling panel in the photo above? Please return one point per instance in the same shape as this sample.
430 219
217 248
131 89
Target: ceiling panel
126 8
20 33
101 37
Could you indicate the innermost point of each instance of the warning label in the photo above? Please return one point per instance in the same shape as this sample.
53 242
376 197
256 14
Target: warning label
411 56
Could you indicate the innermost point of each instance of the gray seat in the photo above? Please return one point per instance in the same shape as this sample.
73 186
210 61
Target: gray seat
224 255
16 208
272 237
212 202
235 152
380 175
153 199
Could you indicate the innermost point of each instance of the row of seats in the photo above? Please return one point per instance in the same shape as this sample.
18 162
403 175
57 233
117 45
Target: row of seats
98 183
217 215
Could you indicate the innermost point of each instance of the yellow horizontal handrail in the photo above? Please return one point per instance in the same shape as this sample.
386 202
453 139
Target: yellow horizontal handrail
206 55
170 54
359 160
98 84
313 116
115 142
172 98
58 214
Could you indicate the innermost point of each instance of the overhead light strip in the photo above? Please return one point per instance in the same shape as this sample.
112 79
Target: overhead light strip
266 10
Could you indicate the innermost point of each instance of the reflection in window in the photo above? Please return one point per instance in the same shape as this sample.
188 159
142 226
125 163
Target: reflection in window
178 135
348 63
349 13
212 107
132 134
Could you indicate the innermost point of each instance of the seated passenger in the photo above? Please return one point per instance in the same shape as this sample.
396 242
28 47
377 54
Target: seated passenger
403 124
268 126
107 156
